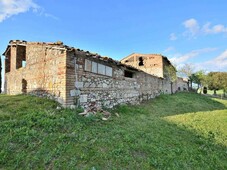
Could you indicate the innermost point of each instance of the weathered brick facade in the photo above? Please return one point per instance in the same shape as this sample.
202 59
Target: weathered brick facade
75 77
153 64
44 73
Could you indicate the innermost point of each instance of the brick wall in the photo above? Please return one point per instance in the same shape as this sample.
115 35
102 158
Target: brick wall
43 75
152 63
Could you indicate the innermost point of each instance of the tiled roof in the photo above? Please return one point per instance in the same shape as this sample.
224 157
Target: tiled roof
60 44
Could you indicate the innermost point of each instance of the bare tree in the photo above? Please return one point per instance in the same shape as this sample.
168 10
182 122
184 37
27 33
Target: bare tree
187 70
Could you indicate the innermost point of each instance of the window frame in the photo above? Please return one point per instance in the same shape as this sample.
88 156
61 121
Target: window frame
101 69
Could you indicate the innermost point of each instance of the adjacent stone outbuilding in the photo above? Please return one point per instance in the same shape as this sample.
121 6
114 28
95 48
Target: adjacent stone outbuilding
156 65
153 64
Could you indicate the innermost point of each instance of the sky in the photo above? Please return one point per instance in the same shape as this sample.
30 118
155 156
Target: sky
185 31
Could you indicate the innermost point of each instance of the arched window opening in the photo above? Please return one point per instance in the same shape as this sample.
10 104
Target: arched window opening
24 86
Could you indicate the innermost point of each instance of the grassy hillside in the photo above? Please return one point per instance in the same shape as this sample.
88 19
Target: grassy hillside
181 131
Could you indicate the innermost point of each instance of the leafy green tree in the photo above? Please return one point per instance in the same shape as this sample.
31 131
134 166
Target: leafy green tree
222 81
199 78
217 80
0 75
212 82
195 79
171 74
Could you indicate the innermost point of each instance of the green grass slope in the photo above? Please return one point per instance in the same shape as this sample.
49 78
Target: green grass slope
181 131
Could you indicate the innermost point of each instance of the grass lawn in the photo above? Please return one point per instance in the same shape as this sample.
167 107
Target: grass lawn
180 131
219 92
211 92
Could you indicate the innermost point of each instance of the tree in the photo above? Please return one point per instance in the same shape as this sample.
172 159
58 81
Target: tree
217 80
199 78
222 81
187 70
0 75
195 79
212 82
171 74
225 83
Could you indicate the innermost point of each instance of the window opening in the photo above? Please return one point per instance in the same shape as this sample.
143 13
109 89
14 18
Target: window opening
7 62
24 86
141 61
95 67
21 57
128 74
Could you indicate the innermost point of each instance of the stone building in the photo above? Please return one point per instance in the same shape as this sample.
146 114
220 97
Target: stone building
157 65
75 77
182 84
153 64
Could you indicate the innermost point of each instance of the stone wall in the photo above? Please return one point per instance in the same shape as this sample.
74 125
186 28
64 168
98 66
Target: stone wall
77 78
182 85
85 87
43 75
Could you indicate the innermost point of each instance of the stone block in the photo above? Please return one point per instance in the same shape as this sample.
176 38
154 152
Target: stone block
79 84
104 85
77 92
72 92
83 98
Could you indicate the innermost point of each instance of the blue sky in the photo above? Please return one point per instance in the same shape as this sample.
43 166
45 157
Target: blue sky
186 31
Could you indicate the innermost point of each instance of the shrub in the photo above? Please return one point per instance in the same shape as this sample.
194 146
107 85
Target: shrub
205 90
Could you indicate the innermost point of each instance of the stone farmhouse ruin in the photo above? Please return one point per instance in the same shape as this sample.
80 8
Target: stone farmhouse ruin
74 77
153 64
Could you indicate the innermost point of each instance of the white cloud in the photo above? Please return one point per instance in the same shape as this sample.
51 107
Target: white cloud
218 63
208 29
51 16
173 37
9 8
169 49
181 59
192 27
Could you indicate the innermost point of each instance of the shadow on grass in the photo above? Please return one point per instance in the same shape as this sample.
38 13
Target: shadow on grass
138 139
218 96
181 103
141 141
167 144
163 144
149 142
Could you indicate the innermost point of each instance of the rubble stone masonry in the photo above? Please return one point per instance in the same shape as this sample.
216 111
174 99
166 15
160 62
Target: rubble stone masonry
85 87
74 77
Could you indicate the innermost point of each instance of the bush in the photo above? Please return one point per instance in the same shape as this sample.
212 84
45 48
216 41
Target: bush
205 90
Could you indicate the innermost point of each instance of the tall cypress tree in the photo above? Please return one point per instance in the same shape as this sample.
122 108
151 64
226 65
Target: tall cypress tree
0 74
